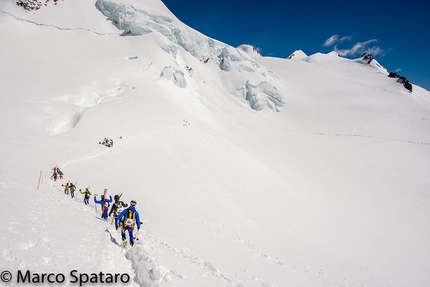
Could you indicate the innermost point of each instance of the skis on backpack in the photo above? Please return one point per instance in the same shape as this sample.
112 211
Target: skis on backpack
95 204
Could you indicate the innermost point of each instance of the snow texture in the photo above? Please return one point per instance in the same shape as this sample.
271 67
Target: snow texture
247 171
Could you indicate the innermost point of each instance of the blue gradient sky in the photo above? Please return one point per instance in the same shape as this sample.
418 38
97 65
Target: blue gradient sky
396 33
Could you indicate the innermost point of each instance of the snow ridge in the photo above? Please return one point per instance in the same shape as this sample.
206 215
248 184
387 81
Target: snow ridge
136 22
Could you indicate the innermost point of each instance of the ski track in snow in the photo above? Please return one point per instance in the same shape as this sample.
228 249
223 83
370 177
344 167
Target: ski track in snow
94 154
361 136
159 273
372 137
56 27
147 270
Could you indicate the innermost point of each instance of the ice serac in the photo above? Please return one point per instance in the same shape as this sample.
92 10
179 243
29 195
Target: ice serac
176 76
261 95
181 38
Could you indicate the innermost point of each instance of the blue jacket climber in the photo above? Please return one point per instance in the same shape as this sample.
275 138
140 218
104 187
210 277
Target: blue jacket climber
105 205
128 218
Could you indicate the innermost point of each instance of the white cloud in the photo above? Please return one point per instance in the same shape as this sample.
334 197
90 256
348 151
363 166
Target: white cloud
360 48
345 38
331 41
375 51
335 39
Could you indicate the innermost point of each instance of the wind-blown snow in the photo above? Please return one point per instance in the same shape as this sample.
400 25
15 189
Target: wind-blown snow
248 171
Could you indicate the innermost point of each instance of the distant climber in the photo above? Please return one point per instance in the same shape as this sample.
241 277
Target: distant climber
189 69
107 142
204 60
56 173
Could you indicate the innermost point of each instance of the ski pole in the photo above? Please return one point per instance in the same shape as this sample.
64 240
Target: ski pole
40 176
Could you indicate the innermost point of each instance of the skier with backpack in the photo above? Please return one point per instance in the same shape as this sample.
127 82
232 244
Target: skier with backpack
72 189
60 173
105 203
66 187
116 207
56 172
128 218
54 176
86 194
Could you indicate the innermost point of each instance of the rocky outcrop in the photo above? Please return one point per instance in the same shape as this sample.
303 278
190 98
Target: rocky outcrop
33 4
402 80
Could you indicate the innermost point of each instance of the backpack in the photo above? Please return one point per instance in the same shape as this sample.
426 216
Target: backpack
130 218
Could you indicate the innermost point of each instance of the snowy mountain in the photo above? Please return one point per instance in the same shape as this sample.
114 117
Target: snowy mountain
247 170
297 55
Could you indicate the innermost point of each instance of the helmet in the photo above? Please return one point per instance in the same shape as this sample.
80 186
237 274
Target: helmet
133 203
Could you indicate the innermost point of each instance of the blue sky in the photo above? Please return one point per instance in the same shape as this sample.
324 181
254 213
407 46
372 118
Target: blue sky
396 33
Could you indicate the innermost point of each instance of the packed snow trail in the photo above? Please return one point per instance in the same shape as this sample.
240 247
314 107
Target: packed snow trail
63 235
68 235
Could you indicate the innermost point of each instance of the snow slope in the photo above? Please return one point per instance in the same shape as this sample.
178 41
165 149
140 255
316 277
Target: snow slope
248 171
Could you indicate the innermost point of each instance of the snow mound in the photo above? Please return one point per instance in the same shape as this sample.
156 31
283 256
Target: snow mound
61 118
65 112
250 50
321 57
297 55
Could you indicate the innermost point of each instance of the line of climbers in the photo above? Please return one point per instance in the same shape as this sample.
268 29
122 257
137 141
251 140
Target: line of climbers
123 215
